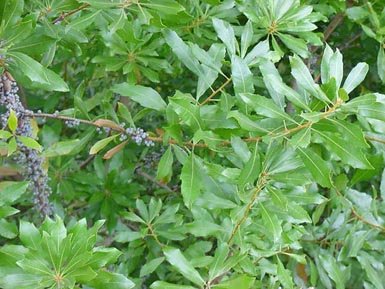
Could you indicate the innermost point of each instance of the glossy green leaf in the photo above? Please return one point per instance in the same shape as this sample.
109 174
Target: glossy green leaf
375 111
301 73
12 121
165 6
30 67
297 45
30 142
145 96
317 166
336 68
5 134
381 64
241 75
239 281
182 51
182 265
101 144
29 235
106 279
11 191
151 266
375 277
240 148
218 262
331 267
191 180
251 170
273 82
189 112
83 21
165 164
226 33
284 275
246 38
8 230
356 76
271 222
10 12
265 106
6 211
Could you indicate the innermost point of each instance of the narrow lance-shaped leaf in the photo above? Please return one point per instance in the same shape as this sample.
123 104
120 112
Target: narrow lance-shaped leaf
241 75
271 222
99 145
381 64
191 180
268 70
304 79
182 265
182 51
356 76
145 96
226 33
336 68
316 165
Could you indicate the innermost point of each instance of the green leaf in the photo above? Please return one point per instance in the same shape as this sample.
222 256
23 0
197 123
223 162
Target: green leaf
240 148
374 276
11 191
183 52
348 153
6 211
191 180
284 275
251 169
189 112
246 38
317 166
30 143
12 146
331 267
166 285
82 21
165 165
218 262
12 121
297 45
7 229
29 235
29 67
238 281
375 111
241 75
273 82
145 96
264 106
301 73
336 68
381 64
182 265
106 279
5 134
99 145
151 266
271 222
356 76
226 33
165 6
10 12
325 64
260 51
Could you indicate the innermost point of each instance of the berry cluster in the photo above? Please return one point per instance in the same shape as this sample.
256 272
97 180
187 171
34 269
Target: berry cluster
138 135
72 123
27 157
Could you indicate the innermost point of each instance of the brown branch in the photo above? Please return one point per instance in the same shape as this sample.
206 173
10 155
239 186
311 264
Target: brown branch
215 92
375 139
154 235
356 214
65 15
260 185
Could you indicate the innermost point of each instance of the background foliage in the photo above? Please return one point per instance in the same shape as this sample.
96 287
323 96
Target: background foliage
226 144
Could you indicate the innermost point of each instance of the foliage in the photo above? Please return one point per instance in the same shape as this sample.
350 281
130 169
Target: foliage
226 144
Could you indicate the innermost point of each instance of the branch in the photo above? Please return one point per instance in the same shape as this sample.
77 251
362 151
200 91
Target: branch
151 179
65 15
215 92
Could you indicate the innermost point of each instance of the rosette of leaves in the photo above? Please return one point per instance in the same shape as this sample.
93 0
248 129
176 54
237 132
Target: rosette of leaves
289 21
56 257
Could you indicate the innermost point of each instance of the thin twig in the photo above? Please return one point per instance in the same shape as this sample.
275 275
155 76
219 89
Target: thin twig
215 92
63 16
